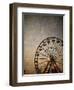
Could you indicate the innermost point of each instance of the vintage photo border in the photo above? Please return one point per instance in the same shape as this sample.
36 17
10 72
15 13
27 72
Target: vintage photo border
13 43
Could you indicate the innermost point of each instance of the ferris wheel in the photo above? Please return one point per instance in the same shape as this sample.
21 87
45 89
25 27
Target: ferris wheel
49 56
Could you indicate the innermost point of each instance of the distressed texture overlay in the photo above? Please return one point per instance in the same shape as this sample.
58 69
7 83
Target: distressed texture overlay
41 28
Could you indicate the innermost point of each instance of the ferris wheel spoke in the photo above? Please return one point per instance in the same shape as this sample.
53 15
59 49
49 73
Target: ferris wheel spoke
43 54
45 50
42 62
42 58
47 67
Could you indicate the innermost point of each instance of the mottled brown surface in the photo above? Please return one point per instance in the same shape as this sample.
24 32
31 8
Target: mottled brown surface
37 28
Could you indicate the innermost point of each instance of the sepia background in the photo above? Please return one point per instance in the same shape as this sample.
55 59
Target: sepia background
37 27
